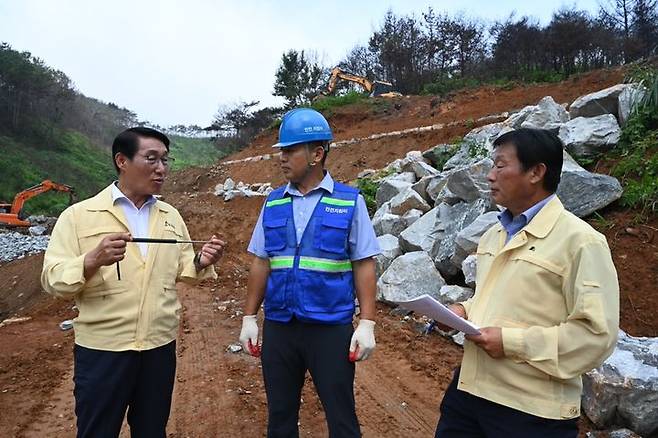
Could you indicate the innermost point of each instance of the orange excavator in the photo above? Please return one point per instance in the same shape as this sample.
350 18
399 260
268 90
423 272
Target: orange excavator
13 215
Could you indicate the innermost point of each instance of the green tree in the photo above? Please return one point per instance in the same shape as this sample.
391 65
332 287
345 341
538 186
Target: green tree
298 78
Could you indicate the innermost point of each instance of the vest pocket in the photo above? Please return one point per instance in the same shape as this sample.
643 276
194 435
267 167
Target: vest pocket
327 292
276 233
331 235
275 293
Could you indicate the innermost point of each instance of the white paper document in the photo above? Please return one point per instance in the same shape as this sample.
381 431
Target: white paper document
428 306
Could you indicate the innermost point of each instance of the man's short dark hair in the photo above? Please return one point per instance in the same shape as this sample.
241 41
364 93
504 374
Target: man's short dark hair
534 146
127 142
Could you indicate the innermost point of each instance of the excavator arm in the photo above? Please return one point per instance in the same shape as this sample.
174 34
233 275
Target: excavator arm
375 88
13 214
337 73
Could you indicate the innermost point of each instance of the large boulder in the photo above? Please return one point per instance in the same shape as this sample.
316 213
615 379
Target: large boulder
421 187
546 115
477 144
583 192
586 136
468 238
409 276
390 251
229 184
394 166
389 188
450 294
435 185
452 220
624 390
409 177
485 135
407 200
388 223
385 222
420 236
465 184
420 168
469 268
411 156
515 120
628 98
595 104
412 216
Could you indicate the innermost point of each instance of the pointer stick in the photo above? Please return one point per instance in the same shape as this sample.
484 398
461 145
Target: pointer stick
150 240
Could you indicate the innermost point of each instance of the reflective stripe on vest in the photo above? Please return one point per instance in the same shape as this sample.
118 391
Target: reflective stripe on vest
337 202
324 265
282 262
276 202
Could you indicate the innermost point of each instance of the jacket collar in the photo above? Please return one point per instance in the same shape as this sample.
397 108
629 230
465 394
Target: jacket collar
544 221
104 201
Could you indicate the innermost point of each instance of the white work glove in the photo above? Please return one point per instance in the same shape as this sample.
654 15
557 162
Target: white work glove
363 340
249 335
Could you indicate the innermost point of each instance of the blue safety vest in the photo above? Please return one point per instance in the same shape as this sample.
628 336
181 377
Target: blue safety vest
313 280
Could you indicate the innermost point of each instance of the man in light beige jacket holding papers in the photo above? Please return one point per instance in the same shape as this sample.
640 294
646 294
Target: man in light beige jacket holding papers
546 300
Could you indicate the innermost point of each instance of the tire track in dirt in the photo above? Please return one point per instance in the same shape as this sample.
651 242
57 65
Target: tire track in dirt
393 409
56 416
216 391
396 397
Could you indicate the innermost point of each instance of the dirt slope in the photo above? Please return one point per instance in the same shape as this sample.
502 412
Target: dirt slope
219 393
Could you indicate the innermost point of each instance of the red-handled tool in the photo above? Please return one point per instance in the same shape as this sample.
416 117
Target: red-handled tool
353 355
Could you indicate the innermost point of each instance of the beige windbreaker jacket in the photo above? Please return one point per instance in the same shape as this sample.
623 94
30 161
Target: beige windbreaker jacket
553 289
141 310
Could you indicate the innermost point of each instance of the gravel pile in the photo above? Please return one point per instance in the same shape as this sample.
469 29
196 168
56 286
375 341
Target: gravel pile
16 246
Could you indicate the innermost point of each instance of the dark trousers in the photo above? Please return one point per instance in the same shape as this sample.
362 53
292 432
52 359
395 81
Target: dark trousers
464 415
109 382
289 349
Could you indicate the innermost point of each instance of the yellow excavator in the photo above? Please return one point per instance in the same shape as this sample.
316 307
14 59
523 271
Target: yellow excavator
375 88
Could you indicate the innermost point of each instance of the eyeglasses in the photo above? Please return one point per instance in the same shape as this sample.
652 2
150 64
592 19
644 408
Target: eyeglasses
152 160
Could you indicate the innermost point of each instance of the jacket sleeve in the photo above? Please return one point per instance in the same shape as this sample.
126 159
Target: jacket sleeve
589 333
63 265
186 270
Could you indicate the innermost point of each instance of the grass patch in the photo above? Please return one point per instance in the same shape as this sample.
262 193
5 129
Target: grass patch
447 85
190 151
327 102
637 151
441 154
369 186
637 170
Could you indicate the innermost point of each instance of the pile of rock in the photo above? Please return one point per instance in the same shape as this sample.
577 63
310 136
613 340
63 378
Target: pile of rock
229 189
16 246
443 212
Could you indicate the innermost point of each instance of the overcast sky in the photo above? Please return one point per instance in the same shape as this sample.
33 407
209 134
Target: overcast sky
176 61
